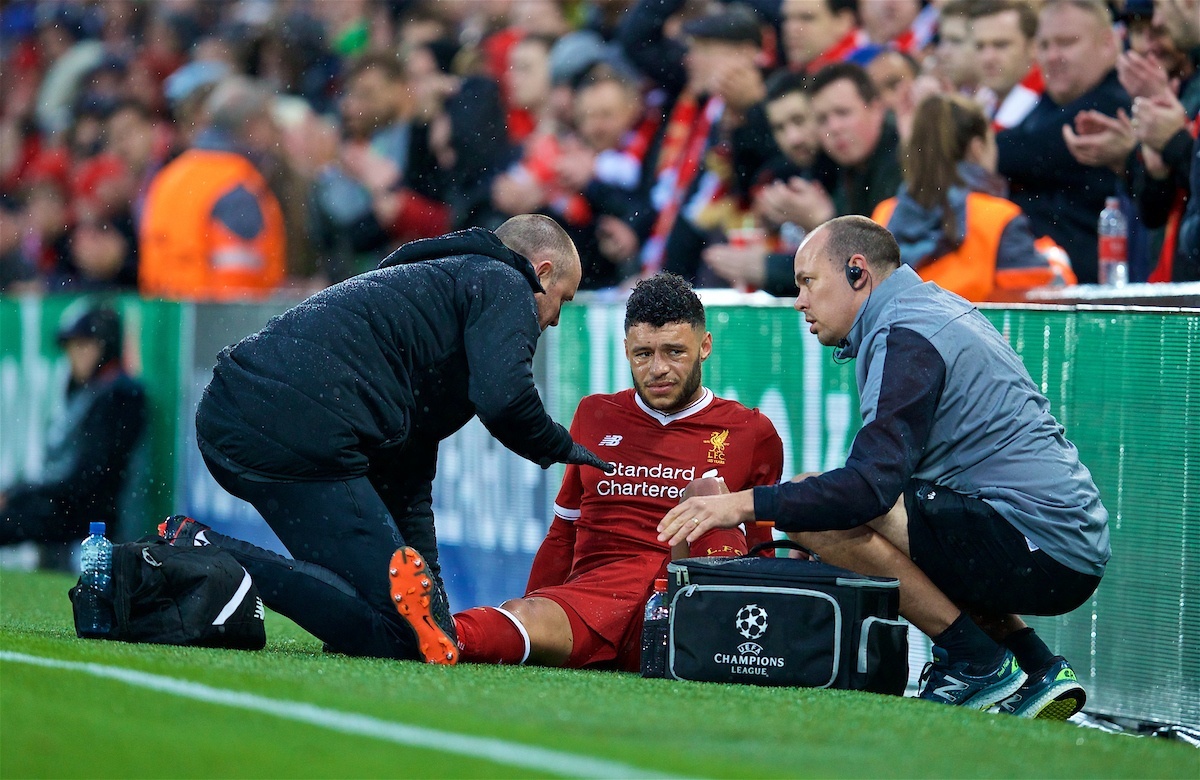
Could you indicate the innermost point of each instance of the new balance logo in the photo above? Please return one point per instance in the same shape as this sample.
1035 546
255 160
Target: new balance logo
951 688
611 440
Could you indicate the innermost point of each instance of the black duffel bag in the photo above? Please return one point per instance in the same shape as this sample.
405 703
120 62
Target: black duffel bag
169 595
784 621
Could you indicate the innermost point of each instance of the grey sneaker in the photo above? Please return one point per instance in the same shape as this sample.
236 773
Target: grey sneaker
1055 694
948 683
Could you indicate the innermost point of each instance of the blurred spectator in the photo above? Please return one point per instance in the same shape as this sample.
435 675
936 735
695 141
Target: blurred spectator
506 25
715 137
530 184
68 58
142 145
817 33
956 63
348 24
950 218
900 25
35 238
789 203
89 446
607 165
526 83
102 257
894 74
381 189
17 273
1077 54
1167 128
466 131
604 16
1004 32
187 90
571 57
211 228
858 134
555 165
292 57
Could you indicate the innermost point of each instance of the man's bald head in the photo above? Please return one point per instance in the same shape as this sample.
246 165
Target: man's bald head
555 260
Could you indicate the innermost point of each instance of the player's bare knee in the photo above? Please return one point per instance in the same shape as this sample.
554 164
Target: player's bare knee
548 629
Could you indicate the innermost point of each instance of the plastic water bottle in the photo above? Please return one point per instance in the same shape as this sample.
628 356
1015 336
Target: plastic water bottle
654 632
1114 244
95 570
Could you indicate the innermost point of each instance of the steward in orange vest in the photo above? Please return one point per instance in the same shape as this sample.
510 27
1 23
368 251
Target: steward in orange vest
211 229
994 257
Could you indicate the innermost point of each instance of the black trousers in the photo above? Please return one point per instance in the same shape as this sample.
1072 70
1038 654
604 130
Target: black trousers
341 535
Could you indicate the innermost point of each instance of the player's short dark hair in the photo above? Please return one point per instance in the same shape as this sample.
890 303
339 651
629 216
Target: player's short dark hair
857 235
785 82
849 71
662 299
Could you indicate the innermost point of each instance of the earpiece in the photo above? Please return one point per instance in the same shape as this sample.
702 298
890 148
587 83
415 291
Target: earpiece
854 276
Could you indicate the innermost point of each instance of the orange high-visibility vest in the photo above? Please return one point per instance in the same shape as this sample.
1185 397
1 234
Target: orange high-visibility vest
970 270
186 251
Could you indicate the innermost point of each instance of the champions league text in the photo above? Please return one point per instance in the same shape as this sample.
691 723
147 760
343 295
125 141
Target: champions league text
623 482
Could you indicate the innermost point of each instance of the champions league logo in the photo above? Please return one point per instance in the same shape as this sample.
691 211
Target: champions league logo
750 622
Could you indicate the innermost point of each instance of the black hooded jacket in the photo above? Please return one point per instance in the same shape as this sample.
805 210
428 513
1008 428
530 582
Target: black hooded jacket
445 329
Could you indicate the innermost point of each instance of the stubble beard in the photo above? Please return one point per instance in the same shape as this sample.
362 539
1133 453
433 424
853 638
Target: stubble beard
691 383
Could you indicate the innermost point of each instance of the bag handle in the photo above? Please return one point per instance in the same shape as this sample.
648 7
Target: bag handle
782 544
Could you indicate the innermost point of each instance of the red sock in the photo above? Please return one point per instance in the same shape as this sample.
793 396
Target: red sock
487 635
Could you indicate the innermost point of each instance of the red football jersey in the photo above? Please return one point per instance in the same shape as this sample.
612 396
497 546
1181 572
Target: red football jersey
657 455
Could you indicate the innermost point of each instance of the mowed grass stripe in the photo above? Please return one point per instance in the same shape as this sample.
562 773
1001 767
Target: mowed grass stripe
489 749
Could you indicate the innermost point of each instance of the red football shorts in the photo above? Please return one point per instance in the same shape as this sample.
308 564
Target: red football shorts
605 605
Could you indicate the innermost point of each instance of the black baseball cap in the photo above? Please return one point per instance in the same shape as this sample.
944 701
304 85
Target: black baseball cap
102 324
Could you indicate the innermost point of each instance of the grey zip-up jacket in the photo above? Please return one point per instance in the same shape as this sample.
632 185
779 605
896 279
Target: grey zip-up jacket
945 399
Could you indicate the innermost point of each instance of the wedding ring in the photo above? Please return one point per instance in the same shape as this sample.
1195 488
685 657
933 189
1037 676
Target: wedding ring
695 521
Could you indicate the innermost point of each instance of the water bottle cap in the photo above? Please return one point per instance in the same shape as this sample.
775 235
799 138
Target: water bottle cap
1112 202
660 585
96 529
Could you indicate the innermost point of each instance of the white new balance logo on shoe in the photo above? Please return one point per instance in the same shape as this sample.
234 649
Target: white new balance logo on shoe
951 687
611 440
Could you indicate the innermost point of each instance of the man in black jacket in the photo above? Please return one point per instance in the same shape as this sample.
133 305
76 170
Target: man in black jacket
1077 54
88 449
328 421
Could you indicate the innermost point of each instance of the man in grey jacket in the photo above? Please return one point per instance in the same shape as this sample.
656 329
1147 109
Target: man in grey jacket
328 421
960 482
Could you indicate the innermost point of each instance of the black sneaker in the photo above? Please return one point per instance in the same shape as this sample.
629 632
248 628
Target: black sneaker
951 683
183 531
422 603
1054 694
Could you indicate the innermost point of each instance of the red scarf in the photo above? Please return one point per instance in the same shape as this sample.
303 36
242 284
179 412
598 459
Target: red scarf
683 147
839 52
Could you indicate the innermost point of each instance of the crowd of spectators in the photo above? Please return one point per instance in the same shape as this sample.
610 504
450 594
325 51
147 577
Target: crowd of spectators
225 149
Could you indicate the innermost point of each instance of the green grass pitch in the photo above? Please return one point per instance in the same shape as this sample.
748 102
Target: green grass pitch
77 708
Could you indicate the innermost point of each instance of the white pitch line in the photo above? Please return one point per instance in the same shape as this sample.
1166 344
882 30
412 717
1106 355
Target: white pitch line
495 750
